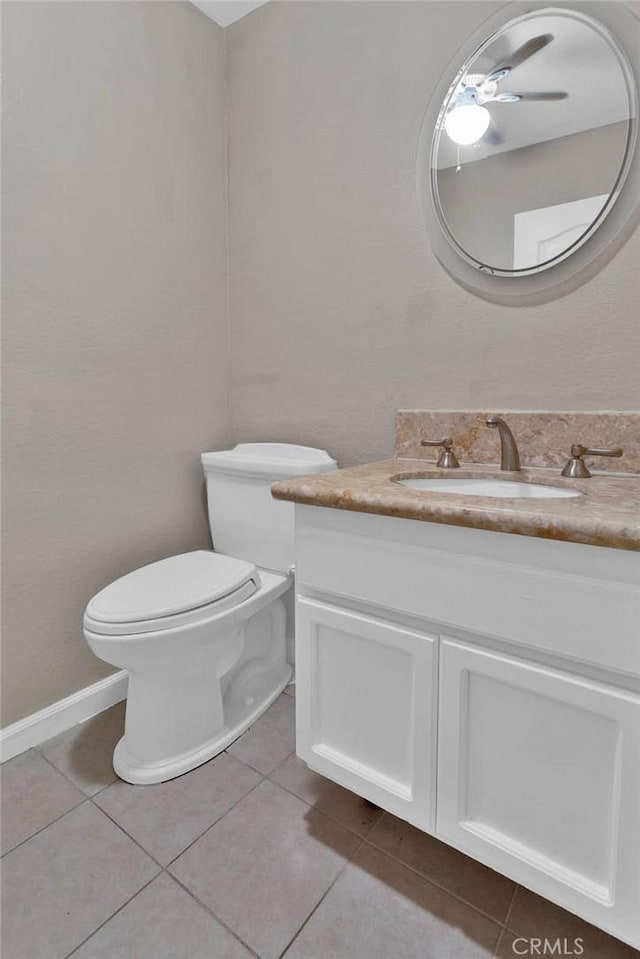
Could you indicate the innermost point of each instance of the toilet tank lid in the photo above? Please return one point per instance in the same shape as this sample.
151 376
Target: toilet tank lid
278 460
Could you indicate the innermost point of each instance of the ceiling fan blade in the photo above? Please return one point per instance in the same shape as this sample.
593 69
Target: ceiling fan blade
528 49
496 75
551 95
507 97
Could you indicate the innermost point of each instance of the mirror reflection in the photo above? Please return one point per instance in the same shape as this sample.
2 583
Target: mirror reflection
532 141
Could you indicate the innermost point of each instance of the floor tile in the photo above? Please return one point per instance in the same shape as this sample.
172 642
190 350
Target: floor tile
482 887
33 795
326 796
84 754
271 739
535 917
505 948
162 922
61 885
290 690
167 817
265 865
379 909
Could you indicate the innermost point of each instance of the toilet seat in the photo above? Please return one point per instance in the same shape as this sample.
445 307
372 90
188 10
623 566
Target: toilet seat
176 591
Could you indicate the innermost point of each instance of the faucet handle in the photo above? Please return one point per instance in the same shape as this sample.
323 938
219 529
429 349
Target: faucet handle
448 459
577 468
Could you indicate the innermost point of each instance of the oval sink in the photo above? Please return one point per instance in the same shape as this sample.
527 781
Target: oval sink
506 489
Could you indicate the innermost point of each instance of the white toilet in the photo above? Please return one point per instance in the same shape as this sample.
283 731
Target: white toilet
203 634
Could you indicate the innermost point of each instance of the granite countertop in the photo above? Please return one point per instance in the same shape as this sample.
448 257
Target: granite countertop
607 514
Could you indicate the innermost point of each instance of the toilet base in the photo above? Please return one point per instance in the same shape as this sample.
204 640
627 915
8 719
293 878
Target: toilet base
144 774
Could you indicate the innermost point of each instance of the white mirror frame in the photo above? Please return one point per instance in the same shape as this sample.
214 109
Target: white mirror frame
623 25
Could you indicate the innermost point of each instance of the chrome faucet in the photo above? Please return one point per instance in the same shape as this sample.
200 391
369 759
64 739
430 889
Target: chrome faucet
509 456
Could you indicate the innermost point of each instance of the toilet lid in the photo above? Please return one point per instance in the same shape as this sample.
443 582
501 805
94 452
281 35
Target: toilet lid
169 587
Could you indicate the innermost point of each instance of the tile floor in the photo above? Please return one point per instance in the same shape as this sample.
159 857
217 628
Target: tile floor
249 855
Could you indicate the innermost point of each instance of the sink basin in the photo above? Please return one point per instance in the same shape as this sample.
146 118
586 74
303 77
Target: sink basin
504 489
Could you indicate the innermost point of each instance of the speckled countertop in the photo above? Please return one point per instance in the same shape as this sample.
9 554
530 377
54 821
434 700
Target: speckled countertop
607 514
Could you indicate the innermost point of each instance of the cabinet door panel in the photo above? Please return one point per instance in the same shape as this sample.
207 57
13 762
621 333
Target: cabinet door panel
366 706
538 776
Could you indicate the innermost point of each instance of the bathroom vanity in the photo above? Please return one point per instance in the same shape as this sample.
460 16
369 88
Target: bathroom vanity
481 685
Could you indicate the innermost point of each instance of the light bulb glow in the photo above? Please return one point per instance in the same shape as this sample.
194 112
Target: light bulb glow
467 124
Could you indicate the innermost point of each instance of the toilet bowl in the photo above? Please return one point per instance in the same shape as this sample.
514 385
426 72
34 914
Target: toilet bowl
203 634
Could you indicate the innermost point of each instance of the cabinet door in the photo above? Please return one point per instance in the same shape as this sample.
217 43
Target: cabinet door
538 776
366 707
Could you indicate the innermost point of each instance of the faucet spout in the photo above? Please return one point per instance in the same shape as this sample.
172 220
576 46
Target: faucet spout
509 456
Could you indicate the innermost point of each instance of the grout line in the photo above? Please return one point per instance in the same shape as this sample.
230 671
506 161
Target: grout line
42 828
113 914
365 839
211 911
128 835
91 799
511 905
248 764
64 775
348 861
215 823
214 915
438 885
321 812
323 815
498 943
98 792
161 868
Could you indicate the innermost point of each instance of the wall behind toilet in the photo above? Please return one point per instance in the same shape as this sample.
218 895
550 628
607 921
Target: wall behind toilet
115 313
340 311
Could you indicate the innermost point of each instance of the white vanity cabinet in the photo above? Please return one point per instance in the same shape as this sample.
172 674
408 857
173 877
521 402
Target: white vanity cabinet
484 687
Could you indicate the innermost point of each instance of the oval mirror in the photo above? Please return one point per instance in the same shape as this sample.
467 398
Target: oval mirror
532 142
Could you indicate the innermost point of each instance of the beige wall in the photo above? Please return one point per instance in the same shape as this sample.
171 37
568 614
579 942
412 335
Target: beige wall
115 314
340 312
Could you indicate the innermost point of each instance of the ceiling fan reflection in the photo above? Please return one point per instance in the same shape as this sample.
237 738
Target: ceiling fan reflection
468 120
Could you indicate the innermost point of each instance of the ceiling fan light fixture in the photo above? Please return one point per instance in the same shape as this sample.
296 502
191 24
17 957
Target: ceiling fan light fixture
467 124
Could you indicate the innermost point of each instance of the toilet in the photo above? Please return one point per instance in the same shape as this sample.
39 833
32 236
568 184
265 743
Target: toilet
203 635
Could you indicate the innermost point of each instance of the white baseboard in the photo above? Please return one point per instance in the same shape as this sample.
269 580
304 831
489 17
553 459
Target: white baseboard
63 715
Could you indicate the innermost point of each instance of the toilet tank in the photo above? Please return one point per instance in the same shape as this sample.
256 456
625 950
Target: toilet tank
245 521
